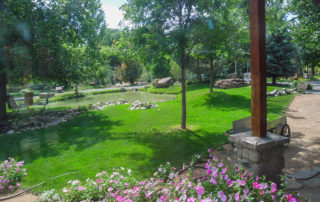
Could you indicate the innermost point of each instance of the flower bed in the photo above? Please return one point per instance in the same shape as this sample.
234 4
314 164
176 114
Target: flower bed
219 183
11 173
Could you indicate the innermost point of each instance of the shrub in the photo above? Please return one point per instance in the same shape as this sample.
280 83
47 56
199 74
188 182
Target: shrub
309 87
49 196
11 173
219 183
67 96
105 91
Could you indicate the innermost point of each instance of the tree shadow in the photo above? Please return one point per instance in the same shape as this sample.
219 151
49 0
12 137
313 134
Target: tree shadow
227 102
302 154
82 132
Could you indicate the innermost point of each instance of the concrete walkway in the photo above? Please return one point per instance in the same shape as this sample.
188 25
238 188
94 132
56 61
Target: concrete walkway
304 150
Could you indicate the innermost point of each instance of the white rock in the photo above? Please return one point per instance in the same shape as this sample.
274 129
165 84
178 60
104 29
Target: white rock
10 132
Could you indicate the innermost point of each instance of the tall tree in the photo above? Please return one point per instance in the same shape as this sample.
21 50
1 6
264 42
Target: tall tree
280 56
177 20
306 22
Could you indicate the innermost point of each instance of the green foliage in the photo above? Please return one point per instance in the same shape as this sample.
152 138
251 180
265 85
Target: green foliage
66 96
175 89
280 55
104 91
306 23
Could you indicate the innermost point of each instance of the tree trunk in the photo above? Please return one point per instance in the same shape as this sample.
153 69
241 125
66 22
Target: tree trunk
183 93
312 71
211 76
77 90
199 72
274 80
235 66
3 96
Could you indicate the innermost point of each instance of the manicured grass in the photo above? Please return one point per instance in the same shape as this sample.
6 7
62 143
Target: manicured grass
175 89
140 140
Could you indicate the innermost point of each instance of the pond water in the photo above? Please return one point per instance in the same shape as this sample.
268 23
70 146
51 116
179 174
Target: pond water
128 96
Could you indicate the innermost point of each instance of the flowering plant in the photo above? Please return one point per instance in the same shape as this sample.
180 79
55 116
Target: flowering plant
219 183
11 173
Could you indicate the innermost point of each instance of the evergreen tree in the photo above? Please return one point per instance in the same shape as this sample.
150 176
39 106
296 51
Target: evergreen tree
280 56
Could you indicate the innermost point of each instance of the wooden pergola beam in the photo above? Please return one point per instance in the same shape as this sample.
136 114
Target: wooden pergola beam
258 68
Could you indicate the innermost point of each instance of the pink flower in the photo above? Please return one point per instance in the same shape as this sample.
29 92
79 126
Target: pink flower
98 181
227 134
246 191
148 195
209 171
200 190
256 185
119 198
273 187
128 200
236 196
213 181
18 184
17 170
75 182
290 198
174 168
191 199
110 189
10 187
80 188
220 165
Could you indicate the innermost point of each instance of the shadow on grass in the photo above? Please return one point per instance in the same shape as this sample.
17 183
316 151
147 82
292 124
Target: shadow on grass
144 151
80 133
175 146
227 102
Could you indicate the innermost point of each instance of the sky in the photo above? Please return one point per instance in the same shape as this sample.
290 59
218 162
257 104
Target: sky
112 12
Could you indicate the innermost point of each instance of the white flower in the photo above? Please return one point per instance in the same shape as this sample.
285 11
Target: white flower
65 190
171 176
75 182
121 168
129 171
155 174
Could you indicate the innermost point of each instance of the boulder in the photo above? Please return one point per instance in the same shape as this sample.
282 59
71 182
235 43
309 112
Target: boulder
164 82
302 87
142 105
231 83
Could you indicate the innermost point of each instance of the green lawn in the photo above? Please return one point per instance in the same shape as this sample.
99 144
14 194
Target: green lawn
140 140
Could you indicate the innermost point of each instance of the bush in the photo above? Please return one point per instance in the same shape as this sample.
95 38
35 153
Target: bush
294 84
105 91
66 96
219 183
11 173
309 87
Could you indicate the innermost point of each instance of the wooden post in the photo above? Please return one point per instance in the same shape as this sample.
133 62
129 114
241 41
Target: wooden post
258 68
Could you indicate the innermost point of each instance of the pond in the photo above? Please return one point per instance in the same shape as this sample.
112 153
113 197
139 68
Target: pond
128 96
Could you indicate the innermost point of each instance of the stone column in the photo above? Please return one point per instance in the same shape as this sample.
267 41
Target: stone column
262 156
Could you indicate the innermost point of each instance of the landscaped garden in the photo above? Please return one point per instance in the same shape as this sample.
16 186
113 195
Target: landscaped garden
140 140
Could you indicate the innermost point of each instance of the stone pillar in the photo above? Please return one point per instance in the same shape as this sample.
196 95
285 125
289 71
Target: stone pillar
262 156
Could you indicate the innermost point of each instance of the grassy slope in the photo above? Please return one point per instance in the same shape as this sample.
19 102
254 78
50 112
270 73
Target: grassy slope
140 140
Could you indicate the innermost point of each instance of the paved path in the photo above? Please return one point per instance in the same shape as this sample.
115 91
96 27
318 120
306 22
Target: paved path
304 120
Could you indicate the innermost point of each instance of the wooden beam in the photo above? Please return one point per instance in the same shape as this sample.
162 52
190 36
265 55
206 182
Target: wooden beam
258 68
